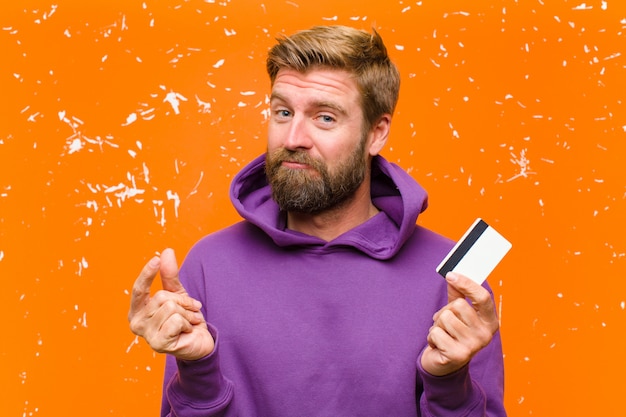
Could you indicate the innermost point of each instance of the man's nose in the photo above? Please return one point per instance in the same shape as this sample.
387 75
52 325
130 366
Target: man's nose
298 135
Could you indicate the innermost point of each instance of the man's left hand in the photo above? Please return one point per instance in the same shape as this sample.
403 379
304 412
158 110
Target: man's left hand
460 329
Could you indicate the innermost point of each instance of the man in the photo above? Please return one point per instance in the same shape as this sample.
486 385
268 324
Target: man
324 301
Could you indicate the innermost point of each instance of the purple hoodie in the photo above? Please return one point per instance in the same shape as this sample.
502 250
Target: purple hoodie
305 327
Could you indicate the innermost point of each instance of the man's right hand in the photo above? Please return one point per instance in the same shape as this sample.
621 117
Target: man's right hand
170 321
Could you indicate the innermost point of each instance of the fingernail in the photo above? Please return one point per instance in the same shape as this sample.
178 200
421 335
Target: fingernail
154 262
452 276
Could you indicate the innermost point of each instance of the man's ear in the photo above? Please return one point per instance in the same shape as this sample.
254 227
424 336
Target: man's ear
378 134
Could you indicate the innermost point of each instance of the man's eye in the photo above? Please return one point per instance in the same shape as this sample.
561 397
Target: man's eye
326 118
282 113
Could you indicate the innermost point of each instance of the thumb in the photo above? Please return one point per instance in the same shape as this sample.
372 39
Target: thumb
169 272
453 292
475 293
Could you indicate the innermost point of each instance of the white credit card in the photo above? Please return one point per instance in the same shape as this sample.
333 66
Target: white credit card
477 253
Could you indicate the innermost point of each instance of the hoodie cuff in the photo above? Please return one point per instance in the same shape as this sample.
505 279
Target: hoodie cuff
451 395
199 385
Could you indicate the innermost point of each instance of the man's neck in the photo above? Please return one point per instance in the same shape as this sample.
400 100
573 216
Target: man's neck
330 224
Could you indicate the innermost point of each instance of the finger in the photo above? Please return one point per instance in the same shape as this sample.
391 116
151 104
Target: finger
476 293
454 324
451 334
165 312
165 298
463 310
163 338
174 326
440 340
176 307
141 287
458 305
453 293
169 272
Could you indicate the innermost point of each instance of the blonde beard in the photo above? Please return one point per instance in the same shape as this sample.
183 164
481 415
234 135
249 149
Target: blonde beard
316 189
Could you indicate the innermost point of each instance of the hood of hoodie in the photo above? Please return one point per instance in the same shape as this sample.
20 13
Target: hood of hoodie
396 194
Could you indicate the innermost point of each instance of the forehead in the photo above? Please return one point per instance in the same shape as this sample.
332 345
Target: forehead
319 83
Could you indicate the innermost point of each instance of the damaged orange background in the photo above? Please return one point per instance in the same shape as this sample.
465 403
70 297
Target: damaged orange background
122 124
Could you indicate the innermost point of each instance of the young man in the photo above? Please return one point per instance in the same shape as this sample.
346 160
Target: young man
324 300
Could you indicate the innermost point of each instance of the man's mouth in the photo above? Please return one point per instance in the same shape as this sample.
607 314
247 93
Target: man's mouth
295 165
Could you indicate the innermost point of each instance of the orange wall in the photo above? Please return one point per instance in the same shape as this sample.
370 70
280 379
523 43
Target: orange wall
123 122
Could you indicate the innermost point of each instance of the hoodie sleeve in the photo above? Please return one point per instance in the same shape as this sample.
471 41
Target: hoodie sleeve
475 390
196 388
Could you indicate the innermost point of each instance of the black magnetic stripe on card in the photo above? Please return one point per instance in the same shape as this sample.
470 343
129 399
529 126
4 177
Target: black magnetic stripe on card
464 247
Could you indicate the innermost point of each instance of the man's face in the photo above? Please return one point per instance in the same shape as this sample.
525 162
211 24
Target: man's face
316 156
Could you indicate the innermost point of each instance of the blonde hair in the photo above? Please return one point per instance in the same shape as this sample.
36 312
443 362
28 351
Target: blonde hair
362 54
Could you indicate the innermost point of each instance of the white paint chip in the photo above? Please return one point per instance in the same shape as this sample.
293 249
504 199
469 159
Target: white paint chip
75 145
174 99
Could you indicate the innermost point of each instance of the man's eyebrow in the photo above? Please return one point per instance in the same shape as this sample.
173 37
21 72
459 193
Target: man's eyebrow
330 105
276 96
317 104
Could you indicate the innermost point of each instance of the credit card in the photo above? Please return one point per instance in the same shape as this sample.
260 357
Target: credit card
477 253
